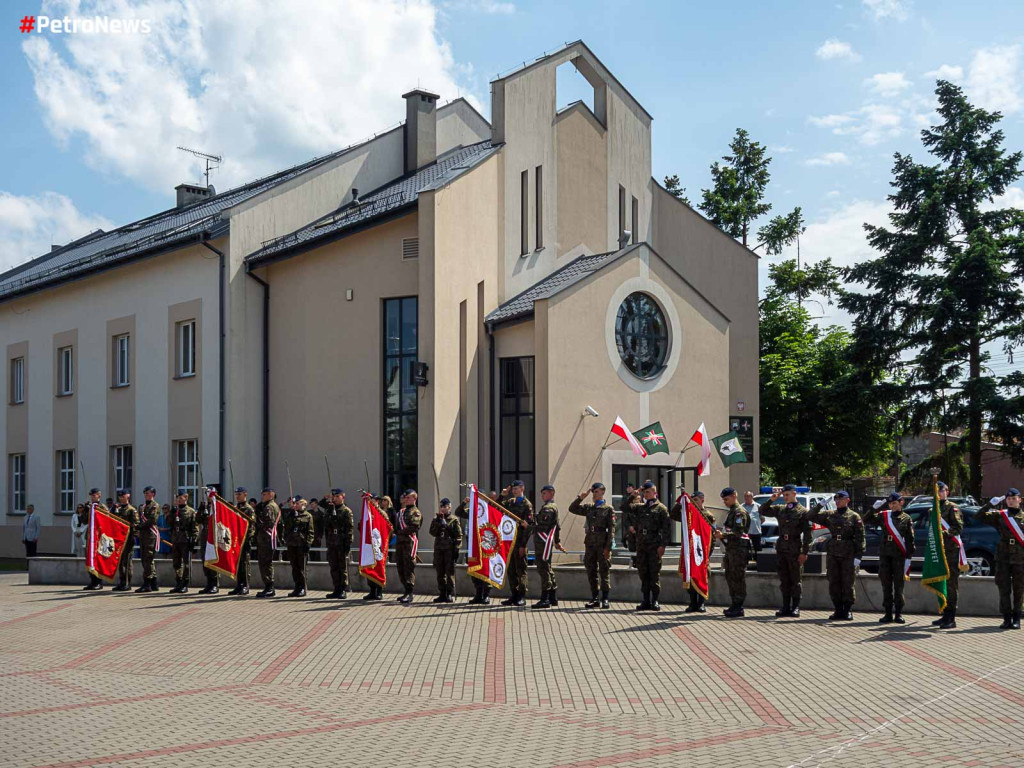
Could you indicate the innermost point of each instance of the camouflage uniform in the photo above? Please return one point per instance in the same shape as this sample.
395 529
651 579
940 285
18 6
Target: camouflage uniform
598 535
184 530
94 581
130 515
149 543
891 560
523 509
845 546
337 531
268 514
794 540
1009 576
205 517
625 509
299 534
407 522
697 600
736 530
653 531
447 533
483 589
546 524
248 507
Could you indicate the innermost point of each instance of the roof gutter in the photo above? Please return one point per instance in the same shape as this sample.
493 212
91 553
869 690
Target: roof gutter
222 285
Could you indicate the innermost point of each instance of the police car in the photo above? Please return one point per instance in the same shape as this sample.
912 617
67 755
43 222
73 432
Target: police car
804 496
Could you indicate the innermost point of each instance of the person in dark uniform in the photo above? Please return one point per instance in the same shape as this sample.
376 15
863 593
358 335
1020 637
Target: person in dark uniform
268 515
407 521
791 548
95 583
317 512
697 600
130 515
652 528
845 549
337 529
149 539
299 530
598 535
545 528
735 533
482 588
897 534
205 517
630 497
243 504
514 501
952 528
184 531
447 533
1004 513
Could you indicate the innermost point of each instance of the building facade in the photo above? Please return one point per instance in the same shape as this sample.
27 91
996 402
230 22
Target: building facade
436 306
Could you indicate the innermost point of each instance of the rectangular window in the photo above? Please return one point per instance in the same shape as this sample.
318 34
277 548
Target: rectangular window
539 210
636 221
121 360
186 352
517 424
66 481
121 466
401 347
186 469
622 212
65 371
17 380
16 483
524 212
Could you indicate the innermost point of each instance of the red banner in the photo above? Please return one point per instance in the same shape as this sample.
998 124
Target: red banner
695 549
373 542
225 535
492 533
107 537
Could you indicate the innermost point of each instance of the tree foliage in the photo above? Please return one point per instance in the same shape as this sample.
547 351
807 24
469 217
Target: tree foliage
674 187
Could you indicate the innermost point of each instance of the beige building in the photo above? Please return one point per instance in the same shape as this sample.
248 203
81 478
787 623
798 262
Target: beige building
447 298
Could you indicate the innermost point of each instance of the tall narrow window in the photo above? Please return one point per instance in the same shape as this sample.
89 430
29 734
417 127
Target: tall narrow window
636 221
517 425
121 466
65 370
17 380
524 212
400 396
121 360
66 481
186 332
16 483
539 212
186 469
622 212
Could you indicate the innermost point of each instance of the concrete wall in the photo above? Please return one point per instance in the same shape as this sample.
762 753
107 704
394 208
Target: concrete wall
458 124
583 181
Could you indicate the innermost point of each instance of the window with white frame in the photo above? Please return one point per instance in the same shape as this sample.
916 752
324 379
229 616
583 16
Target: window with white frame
16 483
66 370
66 481
121 463
186 333
122 361
17 380
186 469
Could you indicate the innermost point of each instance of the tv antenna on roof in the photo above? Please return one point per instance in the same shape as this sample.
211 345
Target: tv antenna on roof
217 159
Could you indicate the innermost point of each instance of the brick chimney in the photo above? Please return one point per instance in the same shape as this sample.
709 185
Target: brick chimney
420 129
191 193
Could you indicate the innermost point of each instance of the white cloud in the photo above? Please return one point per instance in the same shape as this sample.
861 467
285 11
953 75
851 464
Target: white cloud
836 49
953 74
888 84
29 225
265 95
887 9
480 6
1013 197
781 149
830 158
994 78
833 193
871 124
830 121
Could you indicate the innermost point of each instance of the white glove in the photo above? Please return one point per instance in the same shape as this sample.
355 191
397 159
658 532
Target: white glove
856 564
878 504
995 501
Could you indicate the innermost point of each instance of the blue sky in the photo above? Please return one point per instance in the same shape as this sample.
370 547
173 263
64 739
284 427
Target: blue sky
90 123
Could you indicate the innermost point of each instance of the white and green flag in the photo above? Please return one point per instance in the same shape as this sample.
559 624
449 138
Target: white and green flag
729 449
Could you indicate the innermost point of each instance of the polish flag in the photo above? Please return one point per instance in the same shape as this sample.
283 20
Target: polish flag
619 428
373 542
700 437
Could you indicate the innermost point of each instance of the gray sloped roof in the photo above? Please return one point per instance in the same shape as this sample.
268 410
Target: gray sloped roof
379 203
582 266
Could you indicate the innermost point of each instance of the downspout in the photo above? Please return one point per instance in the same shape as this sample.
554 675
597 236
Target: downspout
221 282
266 376
490 394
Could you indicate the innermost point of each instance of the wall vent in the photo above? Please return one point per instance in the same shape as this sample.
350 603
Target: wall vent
410 248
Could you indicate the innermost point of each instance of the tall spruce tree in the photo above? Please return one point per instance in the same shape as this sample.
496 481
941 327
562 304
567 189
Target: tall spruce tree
945 287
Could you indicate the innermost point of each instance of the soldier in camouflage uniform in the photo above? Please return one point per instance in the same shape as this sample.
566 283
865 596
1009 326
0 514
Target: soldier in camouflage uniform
652 528
735 533
205 517
697 600
951 517
546 526
1006 515
95 583
130 515
407 522
149 539
598 535
845 549
318 528
184 531
483 589
268 515
514 501
630 497
337 528
892 561
243 504
299 530
791 548
447 533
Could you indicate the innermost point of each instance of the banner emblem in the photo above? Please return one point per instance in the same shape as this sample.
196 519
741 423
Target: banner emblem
223 537
106 545
490 540
698 549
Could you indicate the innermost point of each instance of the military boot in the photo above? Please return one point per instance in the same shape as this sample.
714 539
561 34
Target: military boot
510 600
898 618
784 610
553 597
144 588
153 586
544 602
837 614
1015 623
485 595
237 590
887 619
655 594
847 612
701 600
692 607
594 602
645 602
948 619
735 610
794 610
1007 621
520 600
439 598
941 620
121 587
604 599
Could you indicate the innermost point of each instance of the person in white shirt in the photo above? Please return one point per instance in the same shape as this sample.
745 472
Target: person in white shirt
79 529
755 523
31 527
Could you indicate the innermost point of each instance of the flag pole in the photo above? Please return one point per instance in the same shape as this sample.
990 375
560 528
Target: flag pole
291 491
367 470
327 464
85 480
437 485
231 469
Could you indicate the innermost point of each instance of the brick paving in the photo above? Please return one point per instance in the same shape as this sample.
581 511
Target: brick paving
95 679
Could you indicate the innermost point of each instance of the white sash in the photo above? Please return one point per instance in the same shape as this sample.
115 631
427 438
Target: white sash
549 543
963 565
1015 530
891 528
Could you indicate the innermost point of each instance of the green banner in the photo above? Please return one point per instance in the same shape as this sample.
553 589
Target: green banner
729 449
936 569
652 438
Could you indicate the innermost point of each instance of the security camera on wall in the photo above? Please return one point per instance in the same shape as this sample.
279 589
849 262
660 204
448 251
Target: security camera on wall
624 238
588 411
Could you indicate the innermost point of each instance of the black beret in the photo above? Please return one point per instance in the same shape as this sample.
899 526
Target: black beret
518 484
841 495
1013 492
446 502
122 491
648 484
408 491
268 490
597 487
240 489
700 493
149 489
789 487
894 497
729 491
942 486
548 488
94 490
336 491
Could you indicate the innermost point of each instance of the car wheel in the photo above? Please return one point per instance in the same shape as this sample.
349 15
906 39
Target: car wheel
980 563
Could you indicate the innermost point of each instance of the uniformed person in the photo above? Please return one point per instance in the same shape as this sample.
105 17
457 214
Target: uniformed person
268 515
317 513
791 548
205 517
598 535
149 539
845 549
630 497
184 531
374 590
652 528
735 534
951 530
697 600
244 504
337 532
130 515
447 533
94 498
892 561
514 501
482 588
299 533
407 521
546 527
1005 514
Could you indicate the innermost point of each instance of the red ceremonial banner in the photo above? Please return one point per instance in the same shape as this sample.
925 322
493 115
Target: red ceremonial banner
107 537
224 536
373 542
491 537
696 547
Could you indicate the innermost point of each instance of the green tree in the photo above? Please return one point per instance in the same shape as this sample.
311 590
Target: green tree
945 286
676 189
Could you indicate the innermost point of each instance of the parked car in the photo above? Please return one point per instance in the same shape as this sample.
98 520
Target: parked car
926 498
806 497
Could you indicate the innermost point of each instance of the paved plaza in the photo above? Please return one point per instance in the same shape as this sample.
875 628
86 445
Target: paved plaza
185 680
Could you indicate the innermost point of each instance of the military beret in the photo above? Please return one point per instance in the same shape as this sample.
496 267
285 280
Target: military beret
518 484
268 490
122 491
240 489
336 491
149 489
789 487
648 484
942 486
548 488
446 502
701 494
841 495
94 490
894 497
409 491
725 492
181 492
597 487
1013 492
